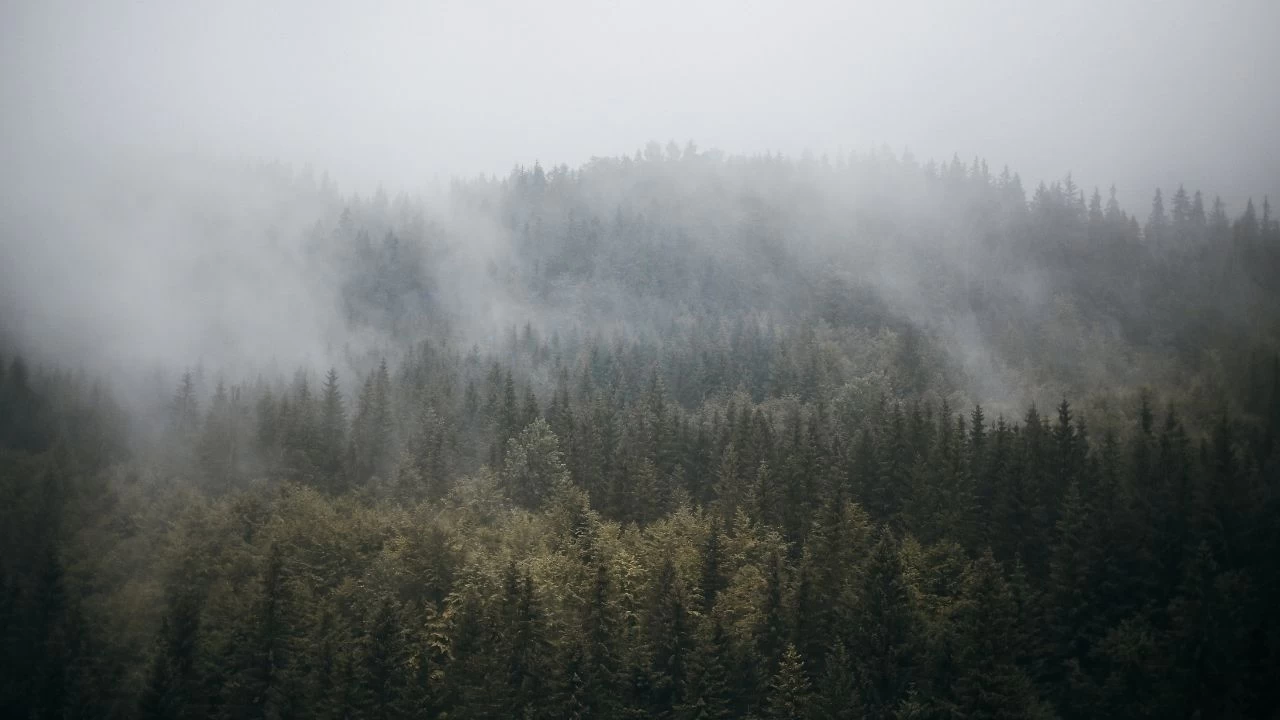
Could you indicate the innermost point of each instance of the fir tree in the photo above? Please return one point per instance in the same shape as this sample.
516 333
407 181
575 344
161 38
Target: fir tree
790 695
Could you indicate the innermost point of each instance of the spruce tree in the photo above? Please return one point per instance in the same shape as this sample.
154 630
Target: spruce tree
707 693
789 696
331 434
885 630
670 642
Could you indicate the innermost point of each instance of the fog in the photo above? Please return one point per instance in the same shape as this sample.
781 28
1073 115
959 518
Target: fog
619 358
410 93
138 224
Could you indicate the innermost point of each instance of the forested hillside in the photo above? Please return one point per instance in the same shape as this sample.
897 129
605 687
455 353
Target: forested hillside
678 435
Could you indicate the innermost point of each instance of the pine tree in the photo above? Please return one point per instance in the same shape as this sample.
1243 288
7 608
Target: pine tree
707 694
300 439
1206 640
789 695
729 489
185 408
885 630
372 439
508 417
331 434
382 674
173 688
525 645
1097 218
218 443
1156 231
1246 229
989 683
601 667
534 466
712 578
268 683
1182 229
772 633
670 642
1069 601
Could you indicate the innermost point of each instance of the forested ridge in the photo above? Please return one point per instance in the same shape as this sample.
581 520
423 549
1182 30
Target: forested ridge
679 435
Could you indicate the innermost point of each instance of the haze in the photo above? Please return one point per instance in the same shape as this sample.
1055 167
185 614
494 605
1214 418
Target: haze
408 94
685 360
155 206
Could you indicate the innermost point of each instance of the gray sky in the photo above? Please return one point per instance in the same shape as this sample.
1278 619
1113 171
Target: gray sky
1139 93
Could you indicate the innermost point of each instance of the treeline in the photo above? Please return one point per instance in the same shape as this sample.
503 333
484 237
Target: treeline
1028 292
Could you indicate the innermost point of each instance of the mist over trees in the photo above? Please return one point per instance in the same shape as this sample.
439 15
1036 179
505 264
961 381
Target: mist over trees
677 434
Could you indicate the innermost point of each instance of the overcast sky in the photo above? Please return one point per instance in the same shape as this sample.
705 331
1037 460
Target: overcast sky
1139 93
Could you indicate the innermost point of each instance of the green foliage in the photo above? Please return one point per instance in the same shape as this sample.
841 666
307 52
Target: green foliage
762 505
790 696
533 466
513 595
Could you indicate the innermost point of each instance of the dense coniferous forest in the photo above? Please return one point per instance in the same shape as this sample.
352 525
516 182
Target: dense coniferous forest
679 435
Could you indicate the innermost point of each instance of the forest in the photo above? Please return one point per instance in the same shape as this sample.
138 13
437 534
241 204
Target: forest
677 434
